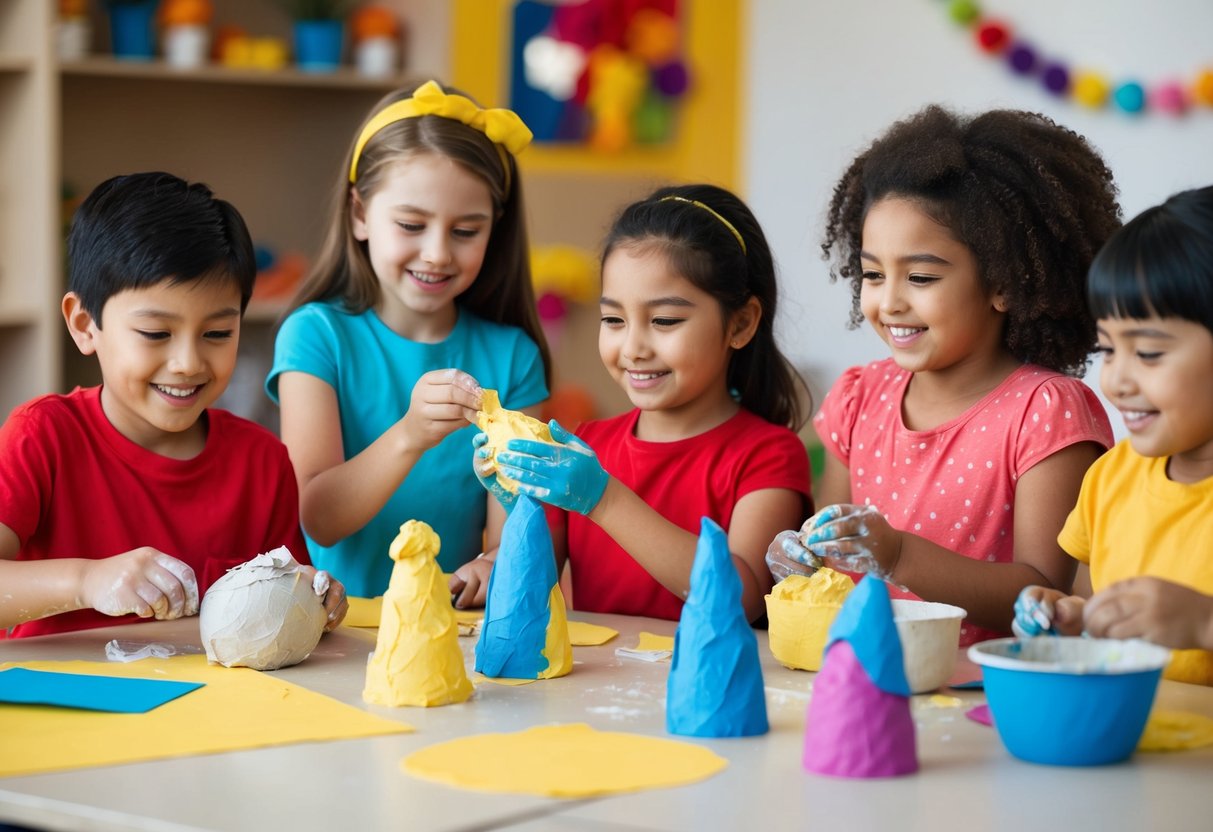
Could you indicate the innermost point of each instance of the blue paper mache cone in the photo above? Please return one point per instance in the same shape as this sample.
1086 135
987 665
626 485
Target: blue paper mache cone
516 613
715 687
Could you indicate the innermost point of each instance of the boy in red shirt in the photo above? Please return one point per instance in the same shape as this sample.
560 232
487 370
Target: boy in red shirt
127 501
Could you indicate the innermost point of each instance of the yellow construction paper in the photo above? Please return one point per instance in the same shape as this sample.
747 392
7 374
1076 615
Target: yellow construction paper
477 678
363 612
652 641
1176 731
417 659
800 610
502 425
563 761
558 649
237 709
939 700
582 634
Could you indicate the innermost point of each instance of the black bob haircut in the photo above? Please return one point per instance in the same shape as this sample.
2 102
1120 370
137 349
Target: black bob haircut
140 229
1159 264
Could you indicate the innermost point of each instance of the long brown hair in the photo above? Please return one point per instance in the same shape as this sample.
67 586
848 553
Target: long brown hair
502 291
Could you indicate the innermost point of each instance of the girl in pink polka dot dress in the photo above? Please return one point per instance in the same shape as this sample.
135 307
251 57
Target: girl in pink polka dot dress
952 465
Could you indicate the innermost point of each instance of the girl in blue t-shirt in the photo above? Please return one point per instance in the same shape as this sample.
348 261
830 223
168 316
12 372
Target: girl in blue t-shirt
421 296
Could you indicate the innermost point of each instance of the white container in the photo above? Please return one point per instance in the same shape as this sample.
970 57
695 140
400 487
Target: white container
72 38
930 638
377 57
187 46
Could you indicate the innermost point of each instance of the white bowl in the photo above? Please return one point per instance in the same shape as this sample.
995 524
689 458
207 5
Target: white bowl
930 637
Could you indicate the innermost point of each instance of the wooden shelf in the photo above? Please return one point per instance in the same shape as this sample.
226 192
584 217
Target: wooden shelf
15 63
104 66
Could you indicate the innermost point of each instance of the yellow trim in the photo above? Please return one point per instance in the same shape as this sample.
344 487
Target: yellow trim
707 144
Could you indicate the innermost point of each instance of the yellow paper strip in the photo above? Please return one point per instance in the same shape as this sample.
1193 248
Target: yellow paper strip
366 612
582 634
237 709
652 641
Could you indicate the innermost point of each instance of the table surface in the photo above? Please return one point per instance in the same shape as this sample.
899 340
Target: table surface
967 779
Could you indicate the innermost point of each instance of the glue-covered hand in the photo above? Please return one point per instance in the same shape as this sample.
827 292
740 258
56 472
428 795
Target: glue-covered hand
143 581
853 538
442 402
787 556
567 474
486 471
1043 611
332 591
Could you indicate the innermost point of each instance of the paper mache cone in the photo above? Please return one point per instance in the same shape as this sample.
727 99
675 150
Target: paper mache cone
417 658
715 686
525 634
859 723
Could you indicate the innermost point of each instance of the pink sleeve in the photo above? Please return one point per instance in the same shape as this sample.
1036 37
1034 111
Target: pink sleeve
836 418
1060 412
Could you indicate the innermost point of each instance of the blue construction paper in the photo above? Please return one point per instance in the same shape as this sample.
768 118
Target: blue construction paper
715 685
116 694
866 623
516 608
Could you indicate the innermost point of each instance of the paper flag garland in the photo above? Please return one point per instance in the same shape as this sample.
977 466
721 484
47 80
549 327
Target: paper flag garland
715 686
525 634
859 723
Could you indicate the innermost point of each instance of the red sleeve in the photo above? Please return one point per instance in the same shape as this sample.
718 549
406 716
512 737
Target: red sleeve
27 445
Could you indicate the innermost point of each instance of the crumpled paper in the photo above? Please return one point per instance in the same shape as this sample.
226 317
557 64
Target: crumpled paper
264 614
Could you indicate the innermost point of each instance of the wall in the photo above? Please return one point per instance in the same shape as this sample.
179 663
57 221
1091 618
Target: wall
824 81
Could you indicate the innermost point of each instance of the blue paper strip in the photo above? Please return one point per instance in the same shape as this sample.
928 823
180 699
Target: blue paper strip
116 694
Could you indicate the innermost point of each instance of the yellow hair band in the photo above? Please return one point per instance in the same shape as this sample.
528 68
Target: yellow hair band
714 213
503 127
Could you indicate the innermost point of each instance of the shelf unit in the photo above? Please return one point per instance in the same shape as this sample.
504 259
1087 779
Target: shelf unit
29 248
270 142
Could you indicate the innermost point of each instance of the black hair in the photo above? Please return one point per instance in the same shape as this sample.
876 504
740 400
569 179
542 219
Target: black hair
1160 263
140 229
1031 199
728 257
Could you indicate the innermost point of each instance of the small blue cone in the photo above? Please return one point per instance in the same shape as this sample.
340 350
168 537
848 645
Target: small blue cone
715 687
514 631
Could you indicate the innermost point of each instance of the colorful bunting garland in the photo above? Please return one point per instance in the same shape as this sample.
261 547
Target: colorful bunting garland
1090 88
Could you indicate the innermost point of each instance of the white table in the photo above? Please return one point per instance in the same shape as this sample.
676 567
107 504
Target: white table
967 779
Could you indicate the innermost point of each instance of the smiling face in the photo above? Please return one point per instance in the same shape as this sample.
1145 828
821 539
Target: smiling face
166 352
665 341
427 230
1158 372
923 295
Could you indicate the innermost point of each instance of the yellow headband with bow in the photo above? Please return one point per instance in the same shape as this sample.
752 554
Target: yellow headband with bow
503 127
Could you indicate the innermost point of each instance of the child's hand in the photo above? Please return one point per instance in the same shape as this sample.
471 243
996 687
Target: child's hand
787 556
143 581
853 538
1160 611
1043 611
567 475
486 472
470 583
333 593
443 401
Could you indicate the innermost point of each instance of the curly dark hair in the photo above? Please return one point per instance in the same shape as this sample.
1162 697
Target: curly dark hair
1031 199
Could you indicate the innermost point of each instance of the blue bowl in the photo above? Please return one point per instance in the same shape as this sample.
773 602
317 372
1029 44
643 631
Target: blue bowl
1070 701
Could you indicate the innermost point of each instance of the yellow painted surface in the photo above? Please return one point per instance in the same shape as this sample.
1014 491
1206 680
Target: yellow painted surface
563 761
237 709
800 611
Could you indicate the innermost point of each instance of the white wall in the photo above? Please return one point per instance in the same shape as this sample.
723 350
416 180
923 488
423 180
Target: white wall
828 76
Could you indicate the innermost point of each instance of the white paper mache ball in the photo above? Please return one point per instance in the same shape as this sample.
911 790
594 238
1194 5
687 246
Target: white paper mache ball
263 614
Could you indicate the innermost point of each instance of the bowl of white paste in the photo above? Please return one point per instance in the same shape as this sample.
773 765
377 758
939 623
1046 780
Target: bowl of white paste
930 638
